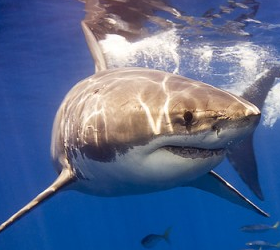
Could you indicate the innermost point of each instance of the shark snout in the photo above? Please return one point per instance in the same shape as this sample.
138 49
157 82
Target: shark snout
251 110
254 117
241 123
241 114
252 114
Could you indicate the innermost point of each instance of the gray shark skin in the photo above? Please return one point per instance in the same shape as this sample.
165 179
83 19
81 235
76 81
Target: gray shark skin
132 131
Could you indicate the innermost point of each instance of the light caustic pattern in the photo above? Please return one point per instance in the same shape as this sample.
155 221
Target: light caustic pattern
101 107
163 114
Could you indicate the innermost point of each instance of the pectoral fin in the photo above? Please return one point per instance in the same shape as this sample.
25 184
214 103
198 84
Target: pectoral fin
66 177
215 184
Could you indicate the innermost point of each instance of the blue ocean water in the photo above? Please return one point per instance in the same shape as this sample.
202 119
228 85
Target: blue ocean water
43 53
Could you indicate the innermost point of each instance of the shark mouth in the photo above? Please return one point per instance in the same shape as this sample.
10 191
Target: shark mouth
194 153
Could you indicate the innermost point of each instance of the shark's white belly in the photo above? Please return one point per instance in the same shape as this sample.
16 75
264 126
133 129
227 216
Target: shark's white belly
135 173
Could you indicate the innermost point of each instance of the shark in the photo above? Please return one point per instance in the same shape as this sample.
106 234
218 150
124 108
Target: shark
133 130
130 21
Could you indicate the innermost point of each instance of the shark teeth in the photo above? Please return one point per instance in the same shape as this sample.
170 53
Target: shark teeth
194 153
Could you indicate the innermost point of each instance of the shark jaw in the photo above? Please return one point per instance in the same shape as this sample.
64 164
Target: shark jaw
194 153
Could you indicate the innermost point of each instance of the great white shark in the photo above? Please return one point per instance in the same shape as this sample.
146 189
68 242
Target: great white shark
131 20
134 130
130 131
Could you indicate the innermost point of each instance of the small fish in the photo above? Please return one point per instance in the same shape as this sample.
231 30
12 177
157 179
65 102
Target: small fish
259 228
151 240
262 244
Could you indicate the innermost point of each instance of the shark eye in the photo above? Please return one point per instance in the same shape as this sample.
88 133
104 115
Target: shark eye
188 117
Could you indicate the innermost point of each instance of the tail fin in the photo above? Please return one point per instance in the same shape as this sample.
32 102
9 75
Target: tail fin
65 177
276 225
166 234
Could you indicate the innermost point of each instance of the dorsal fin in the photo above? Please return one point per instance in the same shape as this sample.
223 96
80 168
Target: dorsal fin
242 156
94 47
65 177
